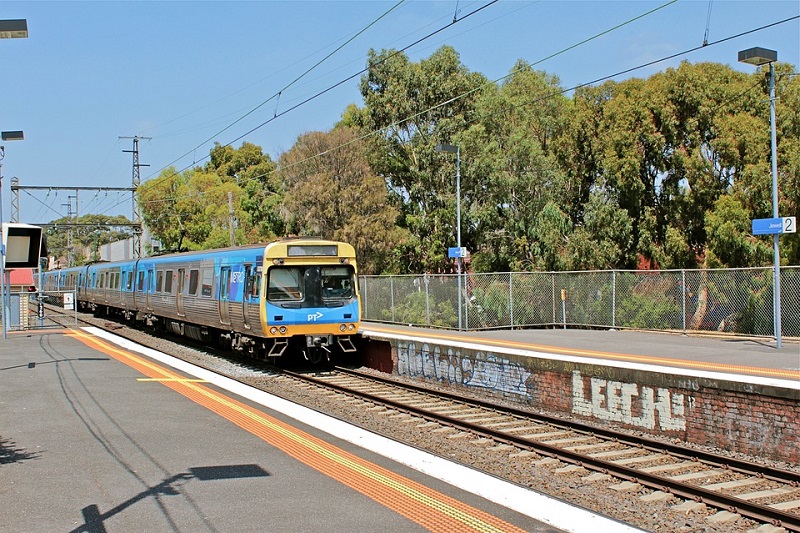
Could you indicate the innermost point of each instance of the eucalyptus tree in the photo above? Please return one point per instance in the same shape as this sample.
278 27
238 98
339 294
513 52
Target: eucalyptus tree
332 192
513 167
412 107
191 209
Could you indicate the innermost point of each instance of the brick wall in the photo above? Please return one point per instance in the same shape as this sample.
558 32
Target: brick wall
742 417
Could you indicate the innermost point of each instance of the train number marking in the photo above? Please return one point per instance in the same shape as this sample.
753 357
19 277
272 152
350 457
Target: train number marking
237 277
314 317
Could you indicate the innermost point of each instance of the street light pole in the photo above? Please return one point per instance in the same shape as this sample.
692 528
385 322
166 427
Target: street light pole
458 230
758 57
2 251
9 29
455 149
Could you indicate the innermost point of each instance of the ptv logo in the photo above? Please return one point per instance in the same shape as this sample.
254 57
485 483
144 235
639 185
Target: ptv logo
316 316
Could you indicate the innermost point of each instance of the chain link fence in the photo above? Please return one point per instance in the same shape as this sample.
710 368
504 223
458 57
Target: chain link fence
738 301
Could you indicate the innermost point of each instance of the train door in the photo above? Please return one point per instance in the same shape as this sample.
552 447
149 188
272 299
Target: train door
224 295
248 294
179 293
150 281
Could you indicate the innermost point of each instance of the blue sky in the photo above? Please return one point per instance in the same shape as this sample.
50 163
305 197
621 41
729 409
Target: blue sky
181 72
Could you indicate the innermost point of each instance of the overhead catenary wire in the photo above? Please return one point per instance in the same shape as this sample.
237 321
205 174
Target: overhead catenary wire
708 23
287 86
551 95
330 88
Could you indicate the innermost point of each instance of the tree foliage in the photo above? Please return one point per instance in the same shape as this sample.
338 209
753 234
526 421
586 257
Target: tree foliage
662 172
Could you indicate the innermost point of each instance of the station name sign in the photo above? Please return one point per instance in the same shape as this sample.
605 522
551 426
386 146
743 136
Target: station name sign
457 252
774 226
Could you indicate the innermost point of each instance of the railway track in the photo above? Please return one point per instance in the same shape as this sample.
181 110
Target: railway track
623 462
761 493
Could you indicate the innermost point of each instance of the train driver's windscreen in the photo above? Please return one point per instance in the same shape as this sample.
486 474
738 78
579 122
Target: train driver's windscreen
285 284
337 282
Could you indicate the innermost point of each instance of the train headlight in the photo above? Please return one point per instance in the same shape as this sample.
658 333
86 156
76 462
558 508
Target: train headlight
351 327
283 329
273 330
342 327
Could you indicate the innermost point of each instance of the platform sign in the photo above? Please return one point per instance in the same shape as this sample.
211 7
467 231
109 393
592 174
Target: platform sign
457 252
69 301
774 226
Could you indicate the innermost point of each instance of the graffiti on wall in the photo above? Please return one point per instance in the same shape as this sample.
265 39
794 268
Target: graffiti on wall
628 403
482 370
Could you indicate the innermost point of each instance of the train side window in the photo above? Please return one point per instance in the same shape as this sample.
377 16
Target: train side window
128 281
256 284
168 282
208 282
116 280
140 282
224 283
194 275
181 279
159 280
248 281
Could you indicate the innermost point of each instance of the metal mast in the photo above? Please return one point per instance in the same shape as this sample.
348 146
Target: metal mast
137 216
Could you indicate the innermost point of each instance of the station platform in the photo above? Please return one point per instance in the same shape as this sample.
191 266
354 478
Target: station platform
737 394
690 354
98 434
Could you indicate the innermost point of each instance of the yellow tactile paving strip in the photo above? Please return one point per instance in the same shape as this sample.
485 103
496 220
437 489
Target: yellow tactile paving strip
642 359
428 508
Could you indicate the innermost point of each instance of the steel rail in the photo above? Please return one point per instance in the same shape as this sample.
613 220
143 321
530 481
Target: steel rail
757 512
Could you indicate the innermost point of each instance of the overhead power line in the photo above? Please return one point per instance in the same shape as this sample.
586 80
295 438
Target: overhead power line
567 90
287 86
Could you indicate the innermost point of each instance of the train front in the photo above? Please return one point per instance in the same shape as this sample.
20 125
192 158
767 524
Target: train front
310 297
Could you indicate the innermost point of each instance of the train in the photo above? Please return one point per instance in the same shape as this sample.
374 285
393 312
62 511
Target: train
299 294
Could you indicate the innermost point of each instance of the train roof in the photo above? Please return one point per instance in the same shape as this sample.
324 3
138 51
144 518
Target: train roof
286 247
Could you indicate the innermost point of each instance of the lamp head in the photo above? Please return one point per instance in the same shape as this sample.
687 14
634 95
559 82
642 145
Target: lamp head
758 56
446 148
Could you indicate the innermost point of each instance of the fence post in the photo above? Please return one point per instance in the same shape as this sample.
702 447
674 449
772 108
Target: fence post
427 300
683 300
391 297
364 299
466 301
553 287
510 300
613 300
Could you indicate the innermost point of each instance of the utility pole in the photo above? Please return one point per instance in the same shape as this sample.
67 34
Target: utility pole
70 240
137 216
231 219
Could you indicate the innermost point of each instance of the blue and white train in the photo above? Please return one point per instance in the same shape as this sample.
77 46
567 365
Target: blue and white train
260 299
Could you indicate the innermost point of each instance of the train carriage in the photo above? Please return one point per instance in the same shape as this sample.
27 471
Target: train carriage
199 290
257 298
